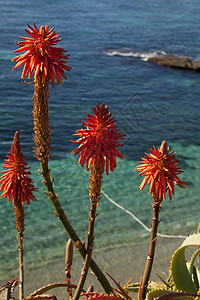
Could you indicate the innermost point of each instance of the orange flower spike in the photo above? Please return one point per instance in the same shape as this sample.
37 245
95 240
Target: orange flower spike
160 170
99 141
15 182
41 55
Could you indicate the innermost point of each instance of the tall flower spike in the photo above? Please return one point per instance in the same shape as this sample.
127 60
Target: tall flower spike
160 170
15 182
41 54
99 141
98 145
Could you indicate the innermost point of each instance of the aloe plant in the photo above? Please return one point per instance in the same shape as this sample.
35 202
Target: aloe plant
184 277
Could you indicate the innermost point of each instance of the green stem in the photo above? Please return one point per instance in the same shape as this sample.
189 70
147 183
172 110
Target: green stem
83 276
150 256
69 229
88 256
21 268
94 193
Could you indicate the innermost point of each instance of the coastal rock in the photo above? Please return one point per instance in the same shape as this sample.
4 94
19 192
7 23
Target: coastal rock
196 65
176 62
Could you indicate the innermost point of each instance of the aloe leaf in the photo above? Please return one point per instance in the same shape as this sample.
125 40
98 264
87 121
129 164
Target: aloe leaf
134 287
195 277
191 263
198 277
168 286
157 293
179 271
194 272
169 294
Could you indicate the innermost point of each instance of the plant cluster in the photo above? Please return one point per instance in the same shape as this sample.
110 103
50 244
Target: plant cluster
97 145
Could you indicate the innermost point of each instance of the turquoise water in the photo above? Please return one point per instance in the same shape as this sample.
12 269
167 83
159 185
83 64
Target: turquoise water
44 236
150 103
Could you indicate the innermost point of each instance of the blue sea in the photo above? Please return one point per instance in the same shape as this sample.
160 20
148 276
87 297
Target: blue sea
109 43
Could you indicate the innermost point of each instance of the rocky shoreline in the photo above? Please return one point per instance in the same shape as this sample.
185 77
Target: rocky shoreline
176 62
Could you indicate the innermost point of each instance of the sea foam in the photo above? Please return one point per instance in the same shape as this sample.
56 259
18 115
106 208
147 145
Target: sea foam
130 53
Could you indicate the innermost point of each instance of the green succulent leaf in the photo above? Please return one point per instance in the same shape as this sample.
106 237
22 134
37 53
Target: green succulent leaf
134 287
157 293
181 276
195 277
191 263
167 284
195 274
169 294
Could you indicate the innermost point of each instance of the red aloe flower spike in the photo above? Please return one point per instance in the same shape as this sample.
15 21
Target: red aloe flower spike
15 182
40 54
97 144
160 170
99 141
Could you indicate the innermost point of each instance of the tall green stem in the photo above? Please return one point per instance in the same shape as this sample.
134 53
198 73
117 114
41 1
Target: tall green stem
150 256
83 276
19 224
21 267
95 191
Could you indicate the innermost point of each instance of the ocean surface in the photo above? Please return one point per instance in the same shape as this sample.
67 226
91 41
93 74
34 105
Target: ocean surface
109 43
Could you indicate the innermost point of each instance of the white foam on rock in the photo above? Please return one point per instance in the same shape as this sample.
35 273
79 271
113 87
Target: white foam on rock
129 53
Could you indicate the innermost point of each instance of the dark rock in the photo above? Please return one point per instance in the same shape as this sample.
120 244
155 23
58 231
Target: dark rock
176 62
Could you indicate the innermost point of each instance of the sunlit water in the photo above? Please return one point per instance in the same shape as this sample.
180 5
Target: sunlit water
150 103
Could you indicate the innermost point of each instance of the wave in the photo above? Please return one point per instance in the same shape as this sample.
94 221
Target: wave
130 53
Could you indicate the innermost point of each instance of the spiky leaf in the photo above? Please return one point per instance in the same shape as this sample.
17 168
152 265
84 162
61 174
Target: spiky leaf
156 293
134 287
169 294
179 271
